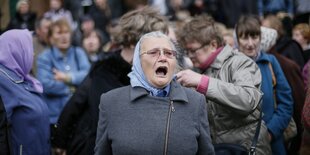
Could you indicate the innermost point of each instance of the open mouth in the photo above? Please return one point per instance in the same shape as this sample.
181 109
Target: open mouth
161 71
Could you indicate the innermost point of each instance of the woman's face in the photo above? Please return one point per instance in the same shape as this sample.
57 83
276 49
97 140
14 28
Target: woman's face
297 36
91 43
199 53
158 61
55 4
249 45
61 38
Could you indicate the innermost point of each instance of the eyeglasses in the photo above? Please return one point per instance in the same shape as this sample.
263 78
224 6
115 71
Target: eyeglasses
193 51
156 52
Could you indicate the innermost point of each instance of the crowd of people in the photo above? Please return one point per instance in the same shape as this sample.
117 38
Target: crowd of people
156 77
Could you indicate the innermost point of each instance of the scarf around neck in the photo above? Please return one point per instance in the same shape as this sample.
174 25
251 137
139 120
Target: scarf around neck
138 79
210 59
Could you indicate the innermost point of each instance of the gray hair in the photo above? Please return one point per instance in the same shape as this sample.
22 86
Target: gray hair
20 2
175 46
158 34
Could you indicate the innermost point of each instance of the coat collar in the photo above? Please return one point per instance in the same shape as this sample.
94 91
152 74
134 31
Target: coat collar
16 79
263 57
226 53
11 75
59 55
177 92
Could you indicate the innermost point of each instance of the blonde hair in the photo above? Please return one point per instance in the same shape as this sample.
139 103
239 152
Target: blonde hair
275 23
136 23
304 29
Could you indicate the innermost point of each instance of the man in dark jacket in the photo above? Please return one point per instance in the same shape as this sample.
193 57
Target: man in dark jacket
77 125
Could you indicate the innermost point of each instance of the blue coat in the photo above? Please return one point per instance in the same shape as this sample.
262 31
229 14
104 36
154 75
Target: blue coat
276 119
27 115
56 93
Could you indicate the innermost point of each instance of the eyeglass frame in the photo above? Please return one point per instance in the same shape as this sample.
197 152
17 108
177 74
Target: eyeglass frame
189 52
162 52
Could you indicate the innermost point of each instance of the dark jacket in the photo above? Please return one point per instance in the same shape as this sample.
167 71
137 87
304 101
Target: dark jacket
293 75
290 49
77 123
4 134
101 20
25 21
306 55
131 121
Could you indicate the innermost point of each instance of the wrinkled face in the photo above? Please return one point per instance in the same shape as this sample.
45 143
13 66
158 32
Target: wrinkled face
249 45
299 38
158 61
91 43
198 53
61 38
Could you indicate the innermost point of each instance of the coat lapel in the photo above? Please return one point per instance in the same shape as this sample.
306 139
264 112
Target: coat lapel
177 92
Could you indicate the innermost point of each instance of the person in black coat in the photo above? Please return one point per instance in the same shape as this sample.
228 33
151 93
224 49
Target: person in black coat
24 18
77 124
4 138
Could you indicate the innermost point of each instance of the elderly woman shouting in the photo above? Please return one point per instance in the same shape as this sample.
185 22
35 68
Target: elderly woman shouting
155 114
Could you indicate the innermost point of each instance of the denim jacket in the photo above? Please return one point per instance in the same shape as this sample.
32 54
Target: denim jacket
57 93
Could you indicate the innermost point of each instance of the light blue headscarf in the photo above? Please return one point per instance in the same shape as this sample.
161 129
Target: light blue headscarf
137 77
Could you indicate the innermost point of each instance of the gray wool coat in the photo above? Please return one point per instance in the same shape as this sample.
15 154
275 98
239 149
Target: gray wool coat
132 122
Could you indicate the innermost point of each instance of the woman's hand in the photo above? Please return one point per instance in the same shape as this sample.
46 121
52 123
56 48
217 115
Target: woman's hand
189 78
61 76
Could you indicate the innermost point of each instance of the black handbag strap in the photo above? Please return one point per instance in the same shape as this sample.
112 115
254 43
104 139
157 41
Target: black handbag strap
255 139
